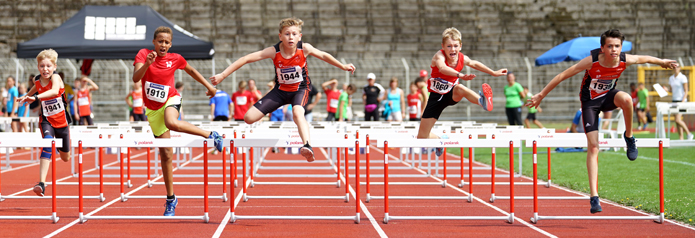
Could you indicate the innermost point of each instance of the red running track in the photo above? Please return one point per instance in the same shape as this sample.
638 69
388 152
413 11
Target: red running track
371 225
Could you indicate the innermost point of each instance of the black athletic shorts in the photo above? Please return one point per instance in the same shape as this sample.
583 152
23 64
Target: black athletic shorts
591 109
59 133
531 116
276 98
139 117
436 104
221 118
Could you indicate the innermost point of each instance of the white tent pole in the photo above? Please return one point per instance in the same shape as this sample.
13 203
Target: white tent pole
529 74
74 70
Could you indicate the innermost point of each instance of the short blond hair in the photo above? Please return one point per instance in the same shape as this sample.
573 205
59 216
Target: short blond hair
292 21
48 54
451 33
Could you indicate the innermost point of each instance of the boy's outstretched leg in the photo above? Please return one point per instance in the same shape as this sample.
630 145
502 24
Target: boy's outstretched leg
171 115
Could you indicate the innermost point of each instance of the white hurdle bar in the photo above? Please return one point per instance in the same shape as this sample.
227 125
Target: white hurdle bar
431 143
40 143
294 142
146 144
659 143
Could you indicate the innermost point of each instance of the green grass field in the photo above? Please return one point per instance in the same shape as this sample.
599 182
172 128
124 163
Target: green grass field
631 183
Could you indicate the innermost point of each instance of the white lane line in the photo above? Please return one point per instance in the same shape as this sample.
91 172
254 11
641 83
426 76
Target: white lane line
56 232
366 212
36 163
228 216
656 159
59 180
474 197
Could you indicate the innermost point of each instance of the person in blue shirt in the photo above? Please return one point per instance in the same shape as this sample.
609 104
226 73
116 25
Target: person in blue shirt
220 105
22 108
12 94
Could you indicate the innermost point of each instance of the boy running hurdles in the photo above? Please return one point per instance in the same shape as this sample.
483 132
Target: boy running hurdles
444 86
53 117
291 81
155 70
603 68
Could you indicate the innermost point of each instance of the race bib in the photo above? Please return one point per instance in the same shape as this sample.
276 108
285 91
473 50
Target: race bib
83 101
412 110
441 86
137 102
241 100
334 103
290 75
600 86
156 92
52 107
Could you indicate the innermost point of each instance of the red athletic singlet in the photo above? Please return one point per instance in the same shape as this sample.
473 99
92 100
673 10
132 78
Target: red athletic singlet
441 83
598 80
53 108
414 105
137 101
291 74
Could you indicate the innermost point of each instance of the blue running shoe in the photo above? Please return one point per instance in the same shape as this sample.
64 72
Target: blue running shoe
440 150
218 140
631 147
170 207
595 204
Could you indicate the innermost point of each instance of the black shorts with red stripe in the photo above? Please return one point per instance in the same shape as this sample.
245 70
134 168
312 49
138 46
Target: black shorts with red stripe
276 98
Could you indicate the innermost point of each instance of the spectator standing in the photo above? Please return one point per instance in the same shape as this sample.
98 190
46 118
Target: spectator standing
330 88
514 93
241 99
679 93
84 100
371 98
220 106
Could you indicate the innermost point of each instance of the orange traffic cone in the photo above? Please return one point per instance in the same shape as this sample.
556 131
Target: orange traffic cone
673 129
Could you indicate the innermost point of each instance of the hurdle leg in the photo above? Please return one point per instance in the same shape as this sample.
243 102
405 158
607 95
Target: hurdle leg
347 175
386 182
54 199
461 164
120 159
224 174
661 182
534 219
129 184
357 181
547 185
366 152
511 182
444 162
232 170
492 176
206 218
470 174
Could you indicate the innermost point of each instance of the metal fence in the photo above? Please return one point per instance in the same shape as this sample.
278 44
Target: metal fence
113 78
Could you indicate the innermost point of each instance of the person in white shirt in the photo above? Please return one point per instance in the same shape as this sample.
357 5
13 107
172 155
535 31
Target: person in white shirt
679 92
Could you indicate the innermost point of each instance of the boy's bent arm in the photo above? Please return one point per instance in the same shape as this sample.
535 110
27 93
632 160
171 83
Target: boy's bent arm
198 77
266 53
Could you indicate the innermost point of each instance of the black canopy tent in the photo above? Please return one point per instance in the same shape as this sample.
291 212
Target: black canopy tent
113 32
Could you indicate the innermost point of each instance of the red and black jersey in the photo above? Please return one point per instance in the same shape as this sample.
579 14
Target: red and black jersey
598 80
291 74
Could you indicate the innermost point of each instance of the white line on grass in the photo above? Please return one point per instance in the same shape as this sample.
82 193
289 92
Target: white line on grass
474 197
656 159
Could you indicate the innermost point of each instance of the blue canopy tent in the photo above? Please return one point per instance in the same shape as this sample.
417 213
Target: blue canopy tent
573 50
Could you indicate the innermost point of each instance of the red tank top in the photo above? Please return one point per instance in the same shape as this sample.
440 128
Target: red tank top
441 83
598 80
414 105
291 74
137 101
84 101
53 108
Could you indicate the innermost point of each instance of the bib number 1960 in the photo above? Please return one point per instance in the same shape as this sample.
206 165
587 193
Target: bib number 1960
156 92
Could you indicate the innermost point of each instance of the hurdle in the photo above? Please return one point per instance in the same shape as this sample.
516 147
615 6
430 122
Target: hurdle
8 151
146 144
54 197
659 143
431 143
293 143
